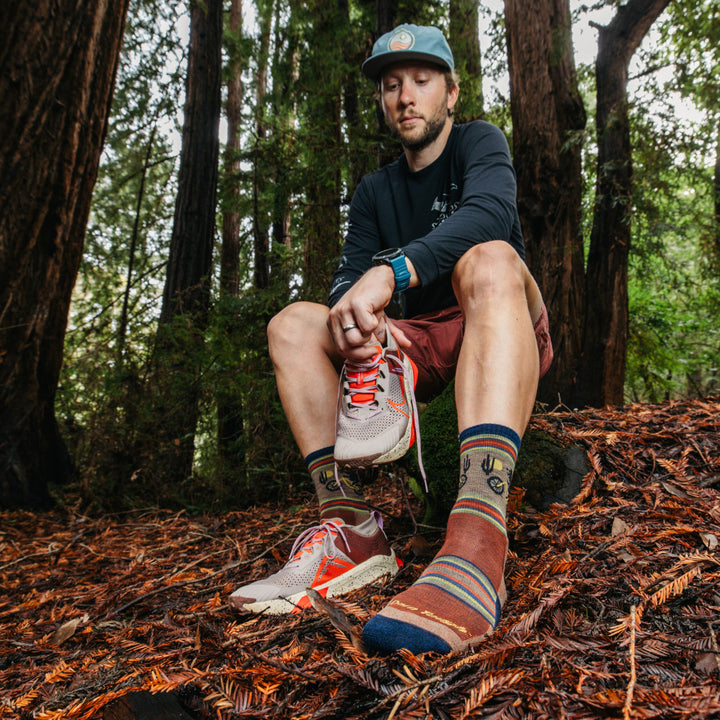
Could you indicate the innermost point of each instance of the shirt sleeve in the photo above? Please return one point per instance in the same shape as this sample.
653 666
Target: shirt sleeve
487 210
362 241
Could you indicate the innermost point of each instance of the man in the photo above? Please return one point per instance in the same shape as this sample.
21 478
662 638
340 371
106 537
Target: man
440 226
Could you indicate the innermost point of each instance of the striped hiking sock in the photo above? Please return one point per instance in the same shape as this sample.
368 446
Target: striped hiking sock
339 496
457 599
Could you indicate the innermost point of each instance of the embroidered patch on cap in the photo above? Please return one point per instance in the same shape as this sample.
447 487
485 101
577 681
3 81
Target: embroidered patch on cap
401 40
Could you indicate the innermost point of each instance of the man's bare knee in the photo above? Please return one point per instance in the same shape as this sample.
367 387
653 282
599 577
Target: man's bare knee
297 327
490 269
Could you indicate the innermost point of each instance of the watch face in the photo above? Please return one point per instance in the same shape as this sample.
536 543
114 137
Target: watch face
389 254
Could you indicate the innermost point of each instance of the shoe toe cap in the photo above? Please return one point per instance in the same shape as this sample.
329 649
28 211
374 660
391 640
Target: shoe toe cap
255 592
239 601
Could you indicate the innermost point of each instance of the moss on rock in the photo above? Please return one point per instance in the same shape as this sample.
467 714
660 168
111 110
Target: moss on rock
549 467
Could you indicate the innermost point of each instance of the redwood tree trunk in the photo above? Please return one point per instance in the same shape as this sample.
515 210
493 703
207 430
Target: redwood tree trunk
230 250
186 294
465 42
322 214
230 430
261 241
716 192
58 60
601 378
548 115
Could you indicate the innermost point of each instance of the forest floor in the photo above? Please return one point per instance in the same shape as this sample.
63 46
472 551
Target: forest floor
613 604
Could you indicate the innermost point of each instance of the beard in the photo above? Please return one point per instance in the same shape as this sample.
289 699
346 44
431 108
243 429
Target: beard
433 127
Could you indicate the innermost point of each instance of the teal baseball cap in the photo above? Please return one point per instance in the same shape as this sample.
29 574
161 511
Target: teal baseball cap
409 42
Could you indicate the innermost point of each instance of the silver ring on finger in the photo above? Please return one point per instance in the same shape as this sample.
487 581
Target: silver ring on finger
347 328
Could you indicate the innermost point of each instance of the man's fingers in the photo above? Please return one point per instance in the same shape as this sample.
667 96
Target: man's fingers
400 337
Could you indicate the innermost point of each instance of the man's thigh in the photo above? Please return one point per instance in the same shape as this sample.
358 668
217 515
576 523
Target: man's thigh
436 341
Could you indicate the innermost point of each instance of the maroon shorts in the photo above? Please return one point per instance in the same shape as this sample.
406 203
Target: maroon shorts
436 339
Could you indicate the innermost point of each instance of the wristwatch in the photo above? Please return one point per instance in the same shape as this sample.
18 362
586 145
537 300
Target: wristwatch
395 258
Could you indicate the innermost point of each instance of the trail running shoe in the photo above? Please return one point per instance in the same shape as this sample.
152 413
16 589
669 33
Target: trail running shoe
332 558
377 415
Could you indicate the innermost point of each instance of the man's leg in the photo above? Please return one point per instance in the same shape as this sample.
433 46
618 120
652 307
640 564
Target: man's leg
306 370
457 599
305 362
348 549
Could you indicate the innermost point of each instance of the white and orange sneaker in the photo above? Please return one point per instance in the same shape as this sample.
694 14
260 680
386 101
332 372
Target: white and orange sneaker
332 558
377 415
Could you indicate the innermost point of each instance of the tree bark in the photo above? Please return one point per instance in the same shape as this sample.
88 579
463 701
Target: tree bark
58 61
231 432
286 60
186 288
230 249
322 214
124 312
183 318
548 116
716 194
261 243
385 11
465 43
601 377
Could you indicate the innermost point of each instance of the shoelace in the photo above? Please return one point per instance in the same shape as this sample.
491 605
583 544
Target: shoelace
319 534
397 366
362 379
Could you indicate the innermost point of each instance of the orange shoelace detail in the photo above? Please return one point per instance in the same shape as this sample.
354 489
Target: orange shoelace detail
362 380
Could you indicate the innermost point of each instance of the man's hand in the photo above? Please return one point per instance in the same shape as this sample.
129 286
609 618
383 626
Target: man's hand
358 320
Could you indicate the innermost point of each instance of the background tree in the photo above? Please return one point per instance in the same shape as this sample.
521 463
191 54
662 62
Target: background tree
548 118
230 425
58 63
601 375
464 39
674 271
323 143
186 296
101 400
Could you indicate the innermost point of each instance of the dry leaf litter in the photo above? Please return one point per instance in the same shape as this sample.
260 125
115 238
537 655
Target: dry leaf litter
613 607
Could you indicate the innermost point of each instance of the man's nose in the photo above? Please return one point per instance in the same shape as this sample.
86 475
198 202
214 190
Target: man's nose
407 96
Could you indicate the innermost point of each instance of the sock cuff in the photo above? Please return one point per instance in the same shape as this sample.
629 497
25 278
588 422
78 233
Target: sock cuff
503 438
320 457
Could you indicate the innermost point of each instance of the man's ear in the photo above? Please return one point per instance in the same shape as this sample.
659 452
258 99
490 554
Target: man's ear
453 94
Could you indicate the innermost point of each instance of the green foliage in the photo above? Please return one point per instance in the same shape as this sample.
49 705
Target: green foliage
441 456
117 297
269 463
674 336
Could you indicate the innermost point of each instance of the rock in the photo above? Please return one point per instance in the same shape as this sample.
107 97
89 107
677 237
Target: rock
549 467
145 705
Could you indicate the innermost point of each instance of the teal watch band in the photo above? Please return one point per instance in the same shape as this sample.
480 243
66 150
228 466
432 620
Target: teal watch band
395 258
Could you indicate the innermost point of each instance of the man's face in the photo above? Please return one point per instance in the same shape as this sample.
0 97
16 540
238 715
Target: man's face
415 100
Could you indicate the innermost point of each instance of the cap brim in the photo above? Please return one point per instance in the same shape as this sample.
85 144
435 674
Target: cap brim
373 66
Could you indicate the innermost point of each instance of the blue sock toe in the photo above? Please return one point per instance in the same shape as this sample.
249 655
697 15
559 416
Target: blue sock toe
386 635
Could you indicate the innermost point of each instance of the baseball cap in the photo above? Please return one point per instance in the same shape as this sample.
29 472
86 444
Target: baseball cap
409 42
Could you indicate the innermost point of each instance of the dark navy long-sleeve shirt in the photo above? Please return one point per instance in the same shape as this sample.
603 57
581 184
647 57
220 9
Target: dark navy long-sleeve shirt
465 197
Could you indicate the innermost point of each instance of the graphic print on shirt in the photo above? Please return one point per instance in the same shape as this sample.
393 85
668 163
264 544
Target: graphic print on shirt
340 281
444 206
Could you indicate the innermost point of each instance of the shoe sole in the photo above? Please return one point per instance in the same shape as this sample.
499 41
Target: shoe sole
395 453
363 574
